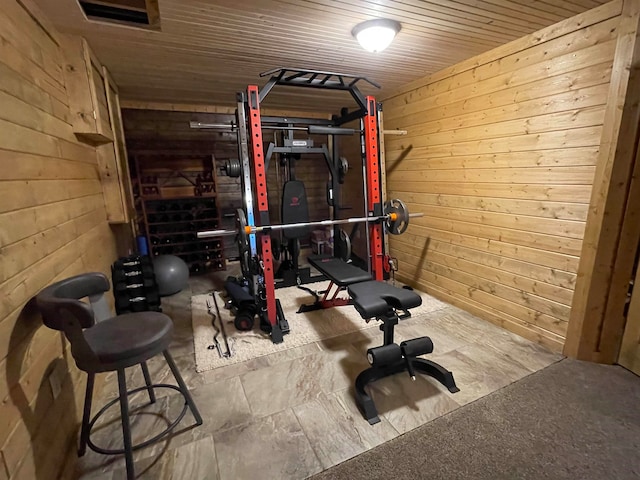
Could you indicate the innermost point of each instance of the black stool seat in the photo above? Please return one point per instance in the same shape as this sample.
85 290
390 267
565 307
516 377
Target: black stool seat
373 299
129 339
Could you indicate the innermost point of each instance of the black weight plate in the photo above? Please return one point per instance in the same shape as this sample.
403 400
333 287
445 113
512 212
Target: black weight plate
243 321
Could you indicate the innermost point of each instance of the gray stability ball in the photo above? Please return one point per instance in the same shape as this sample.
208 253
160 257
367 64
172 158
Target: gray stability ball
172 274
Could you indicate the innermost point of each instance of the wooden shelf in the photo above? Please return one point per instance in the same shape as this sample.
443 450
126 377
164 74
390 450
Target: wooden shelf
180 186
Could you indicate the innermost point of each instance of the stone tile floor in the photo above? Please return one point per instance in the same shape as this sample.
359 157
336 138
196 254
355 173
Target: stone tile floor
292 414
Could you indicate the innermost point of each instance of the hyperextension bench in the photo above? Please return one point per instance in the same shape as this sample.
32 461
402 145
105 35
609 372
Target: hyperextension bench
379 300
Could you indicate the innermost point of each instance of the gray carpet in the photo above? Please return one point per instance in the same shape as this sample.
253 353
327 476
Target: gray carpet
572 420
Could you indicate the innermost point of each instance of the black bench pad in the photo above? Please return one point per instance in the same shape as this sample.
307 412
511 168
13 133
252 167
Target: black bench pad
339 272
373 299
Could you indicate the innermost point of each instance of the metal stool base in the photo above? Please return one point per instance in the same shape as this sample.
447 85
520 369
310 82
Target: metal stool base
119 451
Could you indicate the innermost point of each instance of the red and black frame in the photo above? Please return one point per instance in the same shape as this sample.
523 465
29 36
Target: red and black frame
259 270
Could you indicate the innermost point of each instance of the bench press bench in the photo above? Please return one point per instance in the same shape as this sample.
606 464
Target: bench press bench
379 300
341 274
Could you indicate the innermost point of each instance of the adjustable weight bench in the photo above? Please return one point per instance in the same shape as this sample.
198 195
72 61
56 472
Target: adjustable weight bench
379 300
341 274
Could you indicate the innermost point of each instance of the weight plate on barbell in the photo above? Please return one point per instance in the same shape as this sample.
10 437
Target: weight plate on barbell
400 224
342 246
233 167
243 242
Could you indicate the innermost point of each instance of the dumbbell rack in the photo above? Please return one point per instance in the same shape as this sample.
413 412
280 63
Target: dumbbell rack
134 285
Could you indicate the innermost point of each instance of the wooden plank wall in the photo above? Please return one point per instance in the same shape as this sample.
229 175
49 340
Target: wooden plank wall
500 156
613 229
52 216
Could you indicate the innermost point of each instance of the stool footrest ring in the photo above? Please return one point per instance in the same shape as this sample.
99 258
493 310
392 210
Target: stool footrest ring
157 437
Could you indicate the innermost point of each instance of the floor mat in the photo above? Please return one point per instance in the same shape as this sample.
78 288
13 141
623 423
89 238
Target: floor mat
305 327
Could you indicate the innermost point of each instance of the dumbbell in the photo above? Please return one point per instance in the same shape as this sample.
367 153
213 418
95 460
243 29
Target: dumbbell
123 286
119 275
129 262
136 304
124 264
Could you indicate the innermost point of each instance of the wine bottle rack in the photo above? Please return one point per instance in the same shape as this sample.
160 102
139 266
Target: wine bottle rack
172 226
177 198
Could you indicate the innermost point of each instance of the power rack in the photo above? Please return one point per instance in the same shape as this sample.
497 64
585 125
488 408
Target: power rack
257 258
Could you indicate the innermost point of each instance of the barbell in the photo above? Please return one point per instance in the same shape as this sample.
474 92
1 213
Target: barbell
396 219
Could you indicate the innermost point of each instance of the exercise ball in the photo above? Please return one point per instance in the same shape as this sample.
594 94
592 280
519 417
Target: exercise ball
172 274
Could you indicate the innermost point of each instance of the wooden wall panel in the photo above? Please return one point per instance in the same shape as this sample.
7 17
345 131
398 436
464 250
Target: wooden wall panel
630 348
51 218
500 156
612 235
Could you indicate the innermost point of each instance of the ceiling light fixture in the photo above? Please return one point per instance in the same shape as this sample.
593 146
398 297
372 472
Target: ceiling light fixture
376 35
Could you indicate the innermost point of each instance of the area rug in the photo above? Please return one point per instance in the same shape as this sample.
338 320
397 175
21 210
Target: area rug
305 328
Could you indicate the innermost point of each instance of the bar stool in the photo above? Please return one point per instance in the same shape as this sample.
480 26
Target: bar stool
101 342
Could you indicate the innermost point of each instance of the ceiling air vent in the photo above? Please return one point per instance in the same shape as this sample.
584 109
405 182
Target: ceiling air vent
138 13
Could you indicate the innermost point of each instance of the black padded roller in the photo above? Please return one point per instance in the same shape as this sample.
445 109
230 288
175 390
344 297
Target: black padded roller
328 130
385 355
417 346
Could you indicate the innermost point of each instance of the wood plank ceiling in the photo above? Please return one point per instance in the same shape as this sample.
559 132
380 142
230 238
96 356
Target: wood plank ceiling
206 50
